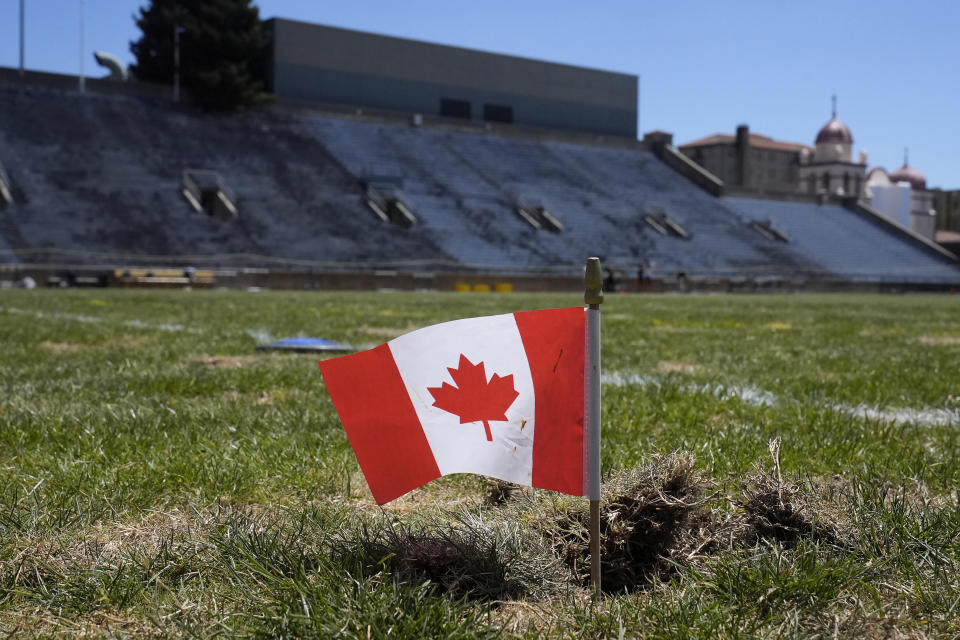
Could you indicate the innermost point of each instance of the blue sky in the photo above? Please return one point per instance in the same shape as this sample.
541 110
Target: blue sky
704 66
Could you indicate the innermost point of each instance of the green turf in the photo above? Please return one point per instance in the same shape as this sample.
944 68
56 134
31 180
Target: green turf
158 476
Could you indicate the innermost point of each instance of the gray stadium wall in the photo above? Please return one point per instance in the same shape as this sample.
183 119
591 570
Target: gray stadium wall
324 64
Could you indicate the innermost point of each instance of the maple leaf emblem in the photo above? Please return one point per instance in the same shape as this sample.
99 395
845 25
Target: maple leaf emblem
474 399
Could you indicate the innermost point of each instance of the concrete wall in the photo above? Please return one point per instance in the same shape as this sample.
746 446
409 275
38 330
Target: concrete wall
844 178
947 205
766 170
330 65
892 201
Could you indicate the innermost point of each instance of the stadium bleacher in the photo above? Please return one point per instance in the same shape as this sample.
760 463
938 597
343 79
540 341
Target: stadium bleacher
847 244
102 179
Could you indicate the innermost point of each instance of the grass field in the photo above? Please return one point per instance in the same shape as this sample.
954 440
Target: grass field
777 466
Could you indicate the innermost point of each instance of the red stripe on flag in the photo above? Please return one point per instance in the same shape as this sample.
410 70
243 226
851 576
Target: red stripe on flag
380 420
554 342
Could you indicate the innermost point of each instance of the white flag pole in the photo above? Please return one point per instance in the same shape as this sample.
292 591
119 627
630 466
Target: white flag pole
593 297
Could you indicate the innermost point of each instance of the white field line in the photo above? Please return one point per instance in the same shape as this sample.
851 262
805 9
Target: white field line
262 336
747 394
756 396
923 417
76 317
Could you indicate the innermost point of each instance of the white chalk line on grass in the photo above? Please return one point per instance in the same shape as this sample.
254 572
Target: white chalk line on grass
923 417
76 317
758 397
748 394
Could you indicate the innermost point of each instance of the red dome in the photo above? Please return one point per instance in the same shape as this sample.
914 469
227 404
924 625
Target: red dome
835 132
908 174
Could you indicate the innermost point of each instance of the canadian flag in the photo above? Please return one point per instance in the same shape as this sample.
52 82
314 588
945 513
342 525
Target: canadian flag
501 396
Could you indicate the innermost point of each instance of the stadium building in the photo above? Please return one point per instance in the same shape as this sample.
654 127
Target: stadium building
323 64
361 174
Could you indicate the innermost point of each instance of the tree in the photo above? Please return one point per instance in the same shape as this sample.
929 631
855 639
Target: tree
223 46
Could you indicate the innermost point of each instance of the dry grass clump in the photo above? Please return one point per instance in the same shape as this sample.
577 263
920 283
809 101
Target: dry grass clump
664 514
778 510
501 491
650 516
466 557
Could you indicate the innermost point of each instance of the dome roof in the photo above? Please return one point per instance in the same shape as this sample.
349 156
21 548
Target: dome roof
835 132
907 173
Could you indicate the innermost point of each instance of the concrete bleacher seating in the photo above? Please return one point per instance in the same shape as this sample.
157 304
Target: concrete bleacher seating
102 180
102 174
845 244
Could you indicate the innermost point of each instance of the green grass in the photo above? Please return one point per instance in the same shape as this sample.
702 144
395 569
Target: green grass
160 477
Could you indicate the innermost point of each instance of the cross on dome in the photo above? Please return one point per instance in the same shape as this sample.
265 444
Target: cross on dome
834 132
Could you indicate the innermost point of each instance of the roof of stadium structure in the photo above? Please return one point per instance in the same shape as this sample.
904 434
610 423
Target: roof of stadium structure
756 140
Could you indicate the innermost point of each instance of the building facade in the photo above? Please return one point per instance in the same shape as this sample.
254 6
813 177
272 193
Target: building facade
316 63
903 196
947 204
749 161
831 169
755 163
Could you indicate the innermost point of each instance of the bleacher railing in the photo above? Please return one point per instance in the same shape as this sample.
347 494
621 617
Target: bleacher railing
51 257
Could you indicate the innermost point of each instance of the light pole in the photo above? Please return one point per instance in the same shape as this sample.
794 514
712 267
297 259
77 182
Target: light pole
22 18
81 82
177 30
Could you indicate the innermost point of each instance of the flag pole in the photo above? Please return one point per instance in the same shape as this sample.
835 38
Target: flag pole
593 297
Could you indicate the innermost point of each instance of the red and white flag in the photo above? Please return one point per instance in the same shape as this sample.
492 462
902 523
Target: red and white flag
501 396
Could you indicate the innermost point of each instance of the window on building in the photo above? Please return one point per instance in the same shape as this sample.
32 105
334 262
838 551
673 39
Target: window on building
811 183
825 181
497 113
455 108
846 183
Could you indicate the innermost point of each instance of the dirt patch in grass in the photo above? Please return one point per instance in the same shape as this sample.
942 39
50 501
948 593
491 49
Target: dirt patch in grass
444 494
62 347
450 493
127 342
225 362
939 340
40 623
778 326
387 332
500 491
669 328
664 367
109 539
541 617
462 554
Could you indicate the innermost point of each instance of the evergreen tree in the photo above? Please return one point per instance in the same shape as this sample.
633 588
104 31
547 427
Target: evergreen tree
222 49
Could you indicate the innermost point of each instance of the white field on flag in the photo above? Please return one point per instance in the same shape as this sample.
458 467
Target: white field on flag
424 358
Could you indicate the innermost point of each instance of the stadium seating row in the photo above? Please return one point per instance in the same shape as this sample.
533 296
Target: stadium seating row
101 178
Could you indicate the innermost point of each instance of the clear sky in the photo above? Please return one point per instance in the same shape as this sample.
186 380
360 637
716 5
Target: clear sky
705 66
